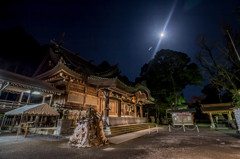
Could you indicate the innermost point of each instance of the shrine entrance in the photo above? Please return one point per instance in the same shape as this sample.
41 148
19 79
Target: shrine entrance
220 115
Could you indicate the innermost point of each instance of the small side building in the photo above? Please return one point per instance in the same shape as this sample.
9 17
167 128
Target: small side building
182 116
220 114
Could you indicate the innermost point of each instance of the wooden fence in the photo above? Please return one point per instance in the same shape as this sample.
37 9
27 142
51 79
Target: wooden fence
7 121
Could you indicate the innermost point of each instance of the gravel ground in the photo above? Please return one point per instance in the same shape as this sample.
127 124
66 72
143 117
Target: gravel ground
190 145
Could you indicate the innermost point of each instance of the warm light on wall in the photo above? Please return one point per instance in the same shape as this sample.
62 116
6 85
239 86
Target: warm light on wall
34 92
133 99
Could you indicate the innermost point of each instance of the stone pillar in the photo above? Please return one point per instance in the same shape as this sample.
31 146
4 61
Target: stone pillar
119 108
211 119
141 111
237 117
135 110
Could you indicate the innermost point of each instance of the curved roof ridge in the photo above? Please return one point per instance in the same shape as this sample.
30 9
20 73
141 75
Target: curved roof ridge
93 77
140 86
27 81
111 71
60 65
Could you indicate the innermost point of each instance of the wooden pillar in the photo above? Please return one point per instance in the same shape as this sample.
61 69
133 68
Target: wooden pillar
31 118
229 117
119 108
124 109
141 111
85 97
135 110
36 121
41 121
2 124
19 127
26 118
130 109
56 121
107 109
51 98
20 97
211 119
29 97
13 123
43 99
100 105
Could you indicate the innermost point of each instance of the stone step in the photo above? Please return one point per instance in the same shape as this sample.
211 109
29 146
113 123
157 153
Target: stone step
221 125
124 129
129 128
132 125
135 127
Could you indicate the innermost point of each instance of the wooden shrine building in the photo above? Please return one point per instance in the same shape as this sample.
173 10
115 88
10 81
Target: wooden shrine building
216 113
68 82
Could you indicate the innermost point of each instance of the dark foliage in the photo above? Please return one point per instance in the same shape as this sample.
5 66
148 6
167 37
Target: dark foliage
20 52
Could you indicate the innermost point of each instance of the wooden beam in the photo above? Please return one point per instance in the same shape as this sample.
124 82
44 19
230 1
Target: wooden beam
211 119
135 110
29 97
20 97
13 123
141 111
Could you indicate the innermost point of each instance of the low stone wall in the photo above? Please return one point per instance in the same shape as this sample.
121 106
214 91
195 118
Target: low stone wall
43 130
237 116
126 120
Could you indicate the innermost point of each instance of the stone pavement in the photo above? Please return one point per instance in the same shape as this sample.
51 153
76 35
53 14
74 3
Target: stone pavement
208 144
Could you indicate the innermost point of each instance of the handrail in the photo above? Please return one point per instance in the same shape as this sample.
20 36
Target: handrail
11 104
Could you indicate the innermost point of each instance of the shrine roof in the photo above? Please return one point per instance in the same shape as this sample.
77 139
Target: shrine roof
218 107
34 109
74 62
115 83
61 66
78 67
26 82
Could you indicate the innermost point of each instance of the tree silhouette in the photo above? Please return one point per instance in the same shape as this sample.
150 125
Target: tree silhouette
168 74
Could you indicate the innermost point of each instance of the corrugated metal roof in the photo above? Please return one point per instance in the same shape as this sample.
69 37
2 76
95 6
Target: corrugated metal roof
34 109
15 78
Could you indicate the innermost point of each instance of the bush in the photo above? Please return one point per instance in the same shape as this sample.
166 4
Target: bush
5 127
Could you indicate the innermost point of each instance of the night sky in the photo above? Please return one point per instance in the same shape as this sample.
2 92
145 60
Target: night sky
122 32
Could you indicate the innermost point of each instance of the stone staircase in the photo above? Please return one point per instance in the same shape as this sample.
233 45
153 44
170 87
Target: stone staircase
221 126
124 129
